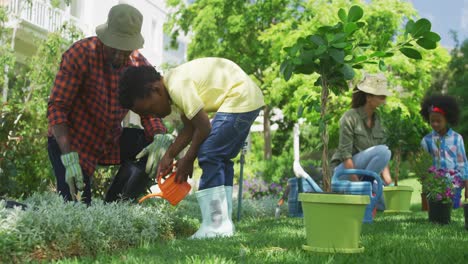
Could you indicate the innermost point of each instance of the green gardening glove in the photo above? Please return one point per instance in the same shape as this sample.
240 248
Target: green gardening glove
155 152
73 173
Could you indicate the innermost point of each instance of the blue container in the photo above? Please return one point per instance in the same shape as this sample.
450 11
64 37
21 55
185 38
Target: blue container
297 186
457 198
374 190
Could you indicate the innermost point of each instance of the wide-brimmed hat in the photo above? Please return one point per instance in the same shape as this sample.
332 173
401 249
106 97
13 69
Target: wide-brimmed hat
123 28
375 84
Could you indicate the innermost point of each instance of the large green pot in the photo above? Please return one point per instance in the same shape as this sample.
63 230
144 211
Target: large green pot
397 199
333 221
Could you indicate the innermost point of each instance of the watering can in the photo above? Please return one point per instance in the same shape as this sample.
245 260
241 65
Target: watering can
170 190
360 188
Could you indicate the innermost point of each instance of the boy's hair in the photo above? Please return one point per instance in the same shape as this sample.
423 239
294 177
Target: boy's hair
448 105
134 84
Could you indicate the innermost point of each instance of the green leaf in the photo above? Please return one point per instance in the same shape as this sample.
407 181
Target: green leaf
364 45
355 13
337 55
339 37
342 15
307 56
379 54
318 82
348 72
426 43
320 50
411 53
382 65
286 70
431 36
420 27
317 40
358 66
409 27
350 28
348 57
360 58
300 110
360 24
389 54
340 45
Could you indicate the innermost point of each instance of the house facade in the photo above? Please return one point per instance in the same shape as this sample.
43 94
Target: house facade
35 18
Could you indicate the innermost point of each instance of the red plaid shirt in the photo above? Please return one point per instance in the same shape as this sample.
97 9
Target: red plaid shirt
85 96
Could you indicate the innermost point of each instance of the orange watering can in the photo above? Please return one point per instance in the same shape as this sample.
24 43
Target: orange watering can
170 190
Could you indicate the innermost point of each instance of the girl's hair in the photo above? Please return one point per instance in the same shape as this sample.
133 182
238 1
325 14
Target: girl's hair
445 104
359 98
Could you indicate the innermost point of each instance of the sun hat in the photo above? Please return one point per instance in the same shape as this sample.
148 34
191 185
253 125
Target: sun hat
375 84
123 28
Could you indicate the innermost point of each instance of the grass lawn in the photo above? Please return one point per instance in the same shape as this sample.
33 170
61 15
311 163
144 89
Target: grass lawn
392 238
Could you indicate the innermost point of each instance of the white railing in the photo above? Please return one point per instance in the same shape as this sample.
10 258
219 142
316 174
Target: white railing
41 14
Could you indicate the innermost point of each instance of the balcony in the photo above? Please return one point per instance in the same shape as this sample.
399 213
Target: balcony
41 15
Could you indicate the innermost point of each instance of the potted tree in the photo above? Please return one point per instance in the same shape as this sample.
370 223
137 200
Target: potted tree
420 161
403 136
333 52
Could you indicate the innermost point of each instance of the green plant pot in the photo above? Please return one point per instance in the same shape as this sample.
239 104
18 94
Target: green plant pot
333 222
397 199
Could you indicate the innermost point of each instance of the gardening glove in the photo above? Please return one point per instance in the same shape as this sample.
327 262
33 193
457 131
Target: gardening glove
73 172
155 151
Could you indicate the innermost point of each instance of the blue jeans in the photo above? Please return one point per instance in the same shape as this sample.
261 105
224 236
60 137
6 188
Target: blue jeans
225 141
374 159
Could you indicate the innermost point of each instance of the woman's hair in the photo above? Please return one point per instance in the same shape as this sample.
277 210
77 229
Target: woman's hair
359 98
445 104
134 84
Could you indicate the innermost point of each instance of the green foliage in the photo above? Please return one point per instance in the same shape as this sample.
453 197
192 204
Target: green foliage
420 162
404 132
458 82
52 229
392 238
24 163
333 52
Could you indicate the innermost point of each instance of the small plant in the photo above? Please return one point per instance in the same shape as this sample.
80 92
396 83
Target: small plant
420 161
257 188
441 184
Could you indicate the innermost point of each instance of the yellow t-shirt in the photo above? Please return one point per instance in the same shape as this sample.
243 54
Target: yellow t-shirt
214 85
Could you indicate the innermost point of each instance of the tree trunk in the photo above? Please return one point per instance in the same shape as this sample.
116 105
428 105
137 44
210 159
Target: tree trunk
267 152
397 165
324 135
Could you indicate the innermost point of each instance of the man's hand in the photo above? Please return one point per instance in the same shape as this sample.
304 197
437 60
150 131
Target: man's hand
184 170
73 172
155 152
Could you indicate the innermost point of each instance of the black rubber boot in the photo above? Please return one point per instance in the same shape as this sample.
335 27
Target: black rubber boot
130 182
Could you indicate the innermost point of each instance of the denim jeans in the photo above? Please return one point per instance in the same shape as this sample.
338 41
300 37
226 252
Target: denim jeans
132 141
374 159
225 141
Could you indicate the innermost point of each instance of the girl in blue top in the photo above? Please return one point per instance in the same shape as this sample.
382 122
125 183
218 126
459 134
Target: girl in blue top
444 144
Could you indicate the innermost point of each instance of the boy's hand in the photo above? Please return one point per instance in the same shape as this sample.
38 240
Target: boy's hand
165 165
184 170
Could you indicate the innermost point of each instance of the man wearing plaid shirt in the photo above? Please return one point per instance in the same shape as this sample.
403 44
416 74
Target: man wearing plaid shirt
84 113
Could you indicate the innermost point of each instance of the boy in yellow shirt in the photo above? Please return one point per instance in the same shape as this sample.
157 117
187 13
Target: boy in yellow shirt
194 89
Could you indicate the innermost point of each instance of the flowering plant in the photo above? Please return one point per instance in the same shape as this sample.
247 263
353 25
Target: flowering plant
441 184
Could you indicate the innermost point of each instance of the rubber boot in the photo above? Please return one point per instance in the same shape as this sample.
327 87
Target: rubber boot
130 182
228 190
214 210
